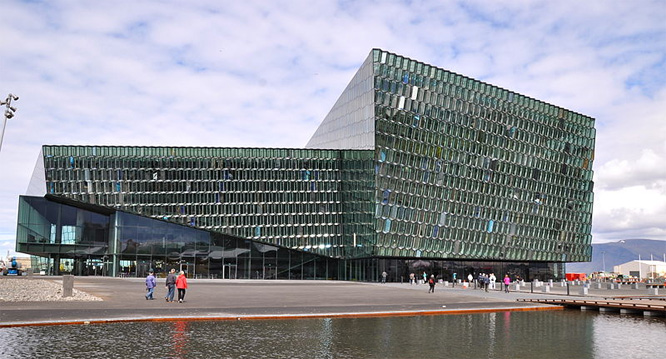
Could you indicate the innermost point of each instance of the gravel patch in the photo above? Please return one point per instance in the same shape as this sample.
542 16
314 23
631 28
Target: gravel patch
39 290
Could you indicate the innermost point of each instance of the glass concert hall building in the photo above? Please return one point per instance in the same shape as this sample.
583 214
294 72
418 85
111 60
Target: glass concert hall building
415 169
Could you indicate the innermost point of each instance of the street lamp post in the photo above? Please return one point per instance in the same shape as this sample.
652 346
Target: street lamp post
9 113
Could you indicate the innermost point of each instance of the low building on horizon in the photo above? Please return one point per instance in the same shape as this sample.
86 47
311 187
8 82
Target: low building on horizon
642 269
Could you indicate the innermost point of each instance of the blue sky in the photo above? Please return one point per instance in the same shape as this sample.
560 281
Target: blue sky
265 73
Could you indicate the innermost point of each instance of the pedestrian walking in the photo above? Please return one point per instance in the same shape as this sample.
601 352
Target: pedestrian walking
150 285
507 281
493 279
412 278
181 285
170 285
431 283
384 274
486 282
454 279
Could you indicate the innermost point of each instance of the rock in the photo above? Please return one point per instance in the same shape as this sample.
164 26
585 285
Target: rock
39 290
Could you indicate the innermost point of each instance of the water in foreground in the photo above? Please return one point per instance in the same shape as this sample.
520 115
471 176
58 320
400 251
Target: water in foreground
559 334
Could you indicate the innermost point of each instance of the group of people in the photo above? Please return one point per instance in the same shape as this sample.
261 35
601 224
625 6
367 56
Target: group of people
173 282
486 281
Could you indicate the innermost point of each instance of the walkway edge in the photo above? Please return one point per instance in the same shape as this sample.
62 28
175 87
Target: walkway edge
286 316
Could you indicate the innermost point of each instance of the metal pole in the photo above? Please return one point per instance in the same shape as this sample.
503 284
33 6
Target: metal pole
4 124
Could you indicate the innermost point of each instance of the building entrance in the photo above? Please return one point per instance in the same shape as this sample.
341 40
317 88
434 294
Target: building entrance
230 271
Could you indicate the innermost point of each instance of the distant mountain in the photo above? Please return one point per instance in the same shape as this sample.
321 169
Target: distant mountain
614 253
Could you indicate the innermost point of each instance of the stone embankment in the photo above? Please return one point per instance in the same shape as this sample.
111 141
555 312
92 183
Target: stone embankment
14 289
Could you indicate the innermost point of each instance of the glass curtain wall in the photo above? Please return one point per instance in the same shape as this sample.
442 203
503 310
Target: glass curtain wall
69 237
71 240
467 170
288 197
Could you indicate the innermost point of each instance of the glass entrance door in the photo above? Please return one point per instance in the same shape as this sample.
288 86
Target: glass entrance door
230 271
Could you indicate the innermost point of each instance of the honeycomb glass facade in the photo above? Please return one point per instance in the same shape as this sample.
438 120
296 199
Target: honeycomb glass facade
412 163
469 170
297 198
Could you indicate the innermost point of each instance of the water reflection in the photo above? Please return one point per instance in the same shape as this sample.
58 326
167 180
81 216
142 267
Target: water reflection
568 334
180 338
631 339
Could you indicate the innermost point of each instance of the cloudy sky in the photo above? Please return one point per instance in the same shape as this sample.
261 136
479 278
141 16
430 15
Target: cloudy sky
265 73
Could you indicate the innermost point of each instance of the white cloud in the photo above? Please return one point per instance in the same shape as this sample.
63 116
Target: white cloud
648 170
257 73
630 212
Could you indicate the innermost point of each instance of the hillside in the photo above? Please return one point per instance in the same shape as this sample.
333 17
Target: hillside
607 255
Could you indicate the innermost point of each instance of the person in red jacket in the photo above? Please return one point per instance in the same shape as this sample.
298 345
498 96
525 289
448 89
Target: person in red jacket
181 284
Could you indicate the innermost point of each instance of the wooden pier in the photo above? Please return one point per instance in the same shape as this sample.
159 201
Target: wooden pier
644 306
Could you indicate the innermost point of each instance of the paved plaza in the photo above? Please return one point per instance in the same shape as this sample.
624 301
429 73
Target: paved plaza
123 300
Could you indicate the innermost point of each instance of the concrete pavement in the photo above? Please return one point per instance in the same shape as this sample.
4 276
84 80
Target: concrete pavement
214 299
